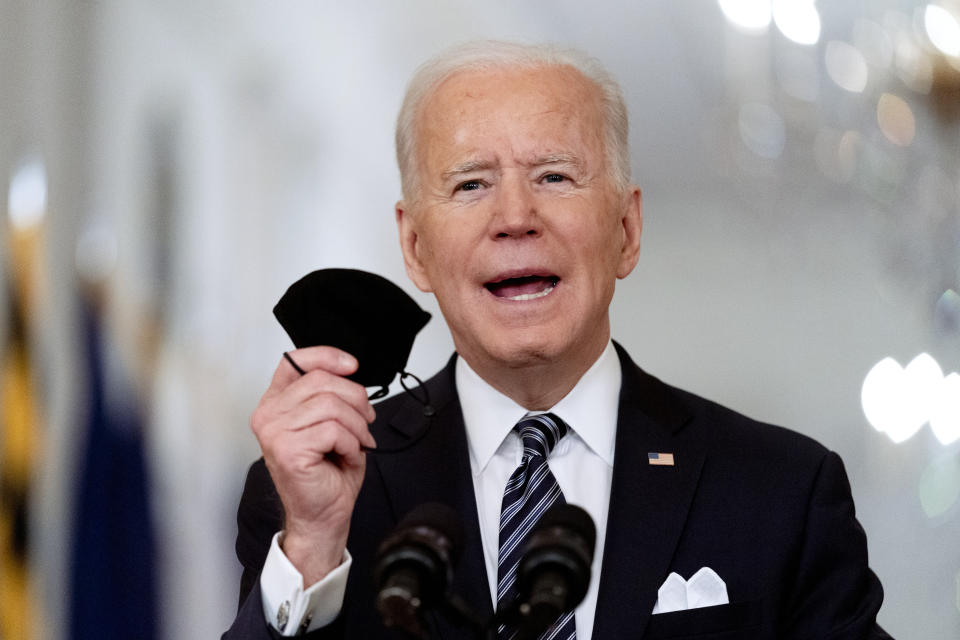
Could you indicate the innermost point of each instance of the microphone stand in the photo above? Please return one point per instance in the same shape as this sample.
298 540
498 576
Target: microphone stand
484 628
458 609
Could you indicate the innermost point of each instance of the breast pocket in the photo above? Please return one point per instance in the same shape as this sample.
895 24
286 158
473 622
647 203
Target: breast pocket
740 620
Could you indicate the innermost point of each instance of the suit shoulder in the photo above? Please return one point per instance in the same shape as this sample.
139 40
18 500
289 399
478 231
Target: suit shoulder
719 428
735 434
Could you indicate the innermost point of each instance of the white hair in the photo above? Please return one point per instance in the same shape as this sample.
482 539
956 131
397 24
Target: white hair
491 54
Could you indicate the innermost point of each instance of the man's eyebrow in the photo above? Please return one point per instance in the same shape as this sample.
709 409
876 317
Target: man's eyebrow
538 161
466 167
557 158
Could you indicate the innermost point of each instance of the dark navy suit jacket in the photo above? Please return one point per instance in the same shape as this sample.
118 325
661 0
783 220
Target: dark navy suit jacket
768 509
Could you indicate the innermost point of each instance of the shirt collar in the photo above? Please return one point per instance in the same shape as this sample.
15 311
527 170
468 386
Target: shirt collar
590 409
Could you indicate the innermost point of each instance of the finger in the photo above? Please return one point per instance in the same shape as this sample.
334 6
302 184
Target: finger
327 407
317 382
327 440
330 359
300 451
316 397
345 446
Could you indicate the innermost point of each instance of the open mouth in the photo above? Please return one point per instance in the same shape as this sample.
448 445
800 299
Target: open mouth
523 288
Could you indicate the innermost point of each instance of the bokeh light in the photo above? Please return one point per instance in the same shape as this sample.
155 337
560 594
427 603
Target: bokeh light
896 119
946 313
873 42
913 65
762 129
846 66
923 380
27 198
747 15
945 410
837 154
899 400
943 29
939 485
797 20
880 395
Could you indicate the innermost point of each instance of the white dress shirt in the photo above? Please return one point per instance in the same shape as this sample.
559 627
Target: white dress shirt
582 463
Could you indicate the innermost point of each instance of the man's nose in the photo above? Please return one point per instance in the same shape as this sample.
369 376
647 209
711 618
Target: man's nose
515 213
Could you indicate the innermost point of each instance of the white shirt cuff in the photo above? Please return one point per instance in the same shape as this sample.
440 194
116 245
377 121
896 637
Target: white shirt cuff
291 609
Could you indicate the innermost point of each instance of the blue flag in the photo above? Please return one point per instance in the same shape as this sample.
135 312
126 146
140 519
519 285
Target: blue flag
112 570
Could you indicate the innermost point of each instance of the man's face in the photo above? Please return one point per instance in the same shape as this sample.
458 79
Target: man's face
517 228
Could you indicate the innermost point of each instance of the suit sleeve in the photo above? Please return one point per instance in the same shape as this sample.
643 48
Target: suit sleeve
259 517
836 595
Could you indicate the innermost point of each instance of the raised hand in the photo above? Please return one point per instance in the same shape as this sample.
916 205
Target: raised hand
311 429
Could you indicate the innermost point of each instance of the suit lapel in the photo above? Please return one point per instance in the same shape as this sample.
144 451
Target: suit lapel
437 469
648 503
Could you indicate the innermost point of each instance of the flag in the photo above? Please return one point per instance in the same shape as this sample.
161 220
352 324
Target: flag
19 433
112 573
660 459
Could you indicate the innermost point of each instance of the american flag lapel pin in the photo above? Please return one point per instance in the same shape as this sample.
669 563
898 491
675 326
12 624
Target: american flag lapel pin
659 459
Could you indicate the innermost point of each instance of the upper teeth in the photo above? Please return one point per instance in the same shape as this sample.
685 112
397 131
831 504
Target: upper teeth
533 296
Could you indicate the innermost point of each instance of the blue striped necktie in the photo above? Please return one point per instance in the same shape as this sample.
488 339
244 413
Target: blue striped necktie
531 490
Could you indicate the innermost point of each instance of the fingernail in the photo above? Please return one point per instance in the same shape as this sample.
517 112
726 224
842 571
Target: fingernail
346 360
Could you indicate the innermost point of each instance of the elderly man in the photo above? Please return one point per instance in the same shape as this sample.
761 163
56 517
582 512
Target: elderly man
519 216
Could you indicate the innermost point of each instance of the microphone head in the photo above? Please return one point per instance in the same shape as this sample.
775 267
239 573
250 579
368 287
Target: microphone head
440 519
554 572
362 313
573 519
413 567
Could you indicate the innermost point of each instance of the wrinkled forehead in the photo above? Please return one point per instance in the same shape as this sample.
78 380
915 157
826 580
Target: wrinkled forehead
550 101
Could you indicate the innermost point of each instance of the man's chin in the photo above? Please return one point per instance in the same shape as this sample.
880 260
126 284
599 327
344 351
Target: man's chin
524 352
531 346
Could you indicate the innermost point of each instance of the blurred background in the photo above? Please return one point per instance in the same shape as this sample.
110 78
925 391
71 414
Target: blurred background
171 167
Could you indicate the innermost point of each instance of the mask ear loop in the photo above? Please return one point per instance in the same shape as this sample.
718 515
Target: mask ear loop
379 393
423 398
296 367
428 409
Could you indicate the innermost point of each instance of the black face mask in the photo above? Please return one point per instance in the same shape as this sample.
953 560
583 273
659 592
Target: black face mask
361 313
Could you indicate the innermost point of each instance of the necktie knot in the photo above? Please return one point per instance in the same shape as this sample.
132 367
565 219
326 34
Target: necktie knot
540 434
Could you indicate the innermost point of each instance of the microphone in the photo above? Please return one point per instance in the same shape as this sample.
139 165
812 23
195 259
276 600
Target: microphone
554 571
413 567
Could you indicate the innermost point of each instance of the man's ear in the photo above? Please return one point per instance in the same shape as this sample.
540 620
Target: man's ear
632 222
409 246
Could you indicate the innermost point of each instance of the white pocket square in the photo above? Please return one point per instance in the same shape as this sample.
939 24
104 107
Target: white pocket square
703 589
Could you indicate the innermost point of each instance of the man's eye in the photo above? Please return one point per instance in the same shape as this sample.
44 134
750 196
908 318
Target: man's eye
553 177
469 185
